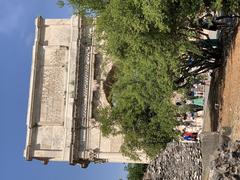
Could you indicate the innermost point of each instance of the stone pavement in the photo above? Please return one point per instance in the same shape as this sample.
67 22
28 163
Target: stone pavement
209 146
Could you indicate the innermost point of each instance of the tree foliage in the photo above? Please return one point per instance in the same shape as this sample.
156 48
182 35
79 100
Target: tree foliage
149 44
135 171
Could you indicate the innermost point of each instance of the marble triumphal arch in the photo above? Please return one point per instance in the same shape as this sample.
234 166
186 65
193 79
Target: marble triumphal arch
66 86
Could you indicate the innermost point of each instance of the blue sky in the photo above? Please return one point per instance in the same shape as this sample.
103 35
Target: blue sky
16 40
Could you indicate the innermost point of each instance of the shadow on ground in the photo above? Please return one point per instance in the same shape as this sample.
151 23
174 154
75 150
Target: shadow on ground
215 99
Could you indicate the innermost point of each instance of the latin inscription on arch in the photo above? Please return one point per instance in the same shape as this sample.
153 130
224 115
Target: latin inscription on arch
54 72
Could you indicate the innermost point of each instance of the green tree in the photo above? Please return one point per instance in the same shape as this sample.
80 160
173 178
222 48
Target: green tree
147 41
141 107
135 171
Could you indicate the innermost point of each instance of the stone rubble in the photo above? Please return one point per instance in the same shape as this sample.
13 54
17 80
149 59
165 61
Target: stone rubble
179 161
227 164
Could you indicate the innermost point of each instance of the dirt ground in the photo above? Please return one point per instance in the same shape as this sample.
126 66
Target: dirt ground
229 114
222 113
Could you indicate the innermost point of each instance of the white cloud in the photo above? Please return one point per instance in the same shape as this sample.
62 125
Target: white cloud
10 17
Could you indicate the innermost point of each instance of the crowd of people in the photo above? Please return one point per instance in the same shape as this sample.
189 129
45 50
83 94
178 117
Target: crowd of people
191 110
